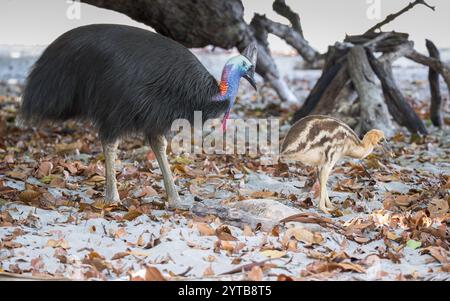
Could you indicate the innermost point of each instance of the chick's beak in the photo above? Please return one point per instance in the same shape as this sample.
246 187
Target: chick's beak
385 147
250 76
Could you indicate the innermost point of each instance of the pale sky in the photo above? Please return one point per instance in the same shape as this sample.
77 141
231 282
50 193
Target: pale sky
31 22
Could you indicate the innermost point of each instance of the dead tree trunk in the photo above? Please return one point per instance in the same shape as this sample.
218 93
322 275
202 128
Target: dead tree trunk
374 113
435 87
402 112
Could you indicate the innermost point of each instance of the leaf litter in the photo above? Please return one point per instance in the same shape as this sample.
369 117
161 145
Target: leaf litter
391 221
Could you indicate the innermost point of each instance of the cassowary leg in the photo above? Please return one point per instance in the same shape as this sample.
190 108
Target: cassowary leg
111 193
159 147
324 203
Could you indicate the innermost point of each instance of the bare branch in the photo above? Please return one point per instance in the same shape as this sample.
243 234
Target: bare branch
286 33
281 8
394 16
433 63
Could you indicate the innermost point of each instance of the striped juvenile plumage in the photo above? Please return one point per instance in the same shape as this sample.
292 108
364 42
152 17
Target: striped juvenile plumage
320 141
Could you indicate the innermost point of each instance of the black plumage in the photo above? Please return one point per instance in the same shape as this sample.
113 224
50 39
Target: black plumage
127 80
123 79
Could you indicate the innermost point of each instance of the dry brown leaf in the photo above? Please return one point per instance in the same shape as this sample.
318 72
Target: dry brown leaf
153 274
208 272
94 180
120 255
262 194
131 215
224 233
29 196
45 169
321 267
17 175
60 243
273 254
140 242
227 246
283 277
438 207
205 230
147 191
255 274
63 148
248 231
120 232
303 235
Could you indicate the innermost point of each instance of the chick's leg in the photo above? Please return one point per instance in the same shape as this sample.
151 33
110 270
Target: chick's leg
111 193
324 203
159 146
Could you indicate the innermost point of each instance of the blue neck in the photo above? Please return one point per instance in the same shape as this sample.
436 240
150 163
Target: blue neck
229 85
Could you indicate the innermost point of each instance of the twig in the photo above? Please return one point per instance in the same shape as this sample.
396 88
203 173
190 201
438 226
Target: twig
246 267
28 277
394 16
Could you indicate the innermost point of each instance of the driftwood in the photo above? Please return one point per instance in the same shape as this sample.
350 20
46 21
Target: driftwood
319 89
348 88
433 63
435 88
281 8
292 37
374 113
402 112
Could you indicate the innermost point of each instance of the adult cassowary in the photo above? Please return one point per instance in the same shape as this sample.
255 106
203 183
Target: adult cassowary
127 80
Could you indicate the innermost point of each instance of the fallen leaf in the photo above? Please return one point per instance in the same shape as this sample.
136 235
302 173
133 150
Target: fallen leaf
131 215
262 194
29 196
248 231
205 229
153 274
119 233
208 272
283 277
45 169
60 243
438 207
255 274
273 254
94 180
224 233
120 255
303 235
413 244
140 242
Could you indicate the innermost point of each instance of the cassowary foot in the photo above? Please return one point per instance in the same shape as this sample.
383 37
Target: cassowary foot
326 206
112 197
176 203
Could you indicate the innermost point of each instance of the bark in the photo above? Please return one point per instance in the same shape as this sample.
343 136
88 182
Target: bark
402 112
435 88
374 113
333 78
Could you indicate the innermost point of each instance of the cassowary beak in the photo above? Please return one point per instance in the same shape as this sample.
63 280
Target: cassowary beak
251 53
250 76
